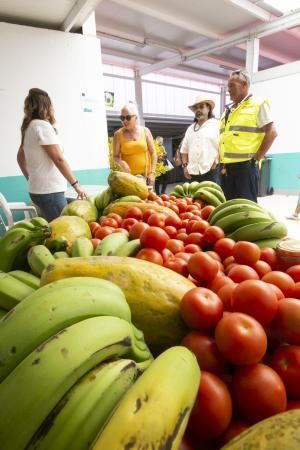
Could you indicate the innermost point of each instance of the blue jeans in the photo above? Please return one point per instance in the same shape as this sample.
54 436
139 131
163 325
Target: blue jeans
51 205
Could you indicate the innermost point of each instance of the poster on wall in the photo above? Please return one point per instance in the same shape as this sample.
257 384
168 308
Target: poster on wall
109 99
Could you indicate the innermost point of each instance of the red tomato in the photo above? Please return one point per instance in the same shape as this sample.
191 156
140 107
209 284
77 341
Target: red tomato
246 252
178 265
95 242
219 281
147 214
184 223
297 290
192 208
154 237
152 196
172 232
182 236
256 298
287 321
212 411
134 212
195 238
286 362
258 392
150 254
261 268
186 215
242 272
214 255
183 255
94 226
235 428
157 220
225 294
109 222
206 211
202 267
224 247
115 216
294 272
293 404
192 248
159 201
121 230
269 255
128 222
166 254
229 260
201 308
285 283
164 197
278 292
182 206
200 226
241 339
101 232
174 208
190 225
212 234
206 351
136 229
175 245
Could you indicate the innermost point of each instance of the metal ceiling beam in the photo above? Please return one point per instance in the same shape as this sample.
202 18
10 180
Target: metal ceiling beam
252 9
290 20
79 13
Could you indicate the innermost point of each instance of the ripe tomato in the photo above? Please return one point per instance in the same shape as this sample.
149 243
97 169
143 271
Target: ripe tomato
186 215
183 255
190 225
195 238
157 220
175 245
178 265
225 294
224 247
174 208
214 255
128 222
269 255
101 232
109 222
287 321
152 196
227 261
261 268
285 283
205 212
206 351
286 362
241 339
278 292
115 216
95 242
192 248
256 298
166 254
134 212
147 214
202 267
154 237
241 272
297 290
136 230
212 234
258 392
150 254
172 232
121 230
164 197
245 252
219 281
293 404
201 309
294 272
182 236
94 226
200 226
212 411
235 428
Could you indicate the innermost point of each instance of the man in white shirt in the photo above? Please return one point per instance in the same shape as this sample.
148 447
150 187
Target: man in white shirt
200 146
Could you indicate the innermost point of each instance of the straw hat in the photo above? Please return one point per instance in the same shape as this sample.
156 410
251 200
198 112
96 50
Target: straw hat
202 99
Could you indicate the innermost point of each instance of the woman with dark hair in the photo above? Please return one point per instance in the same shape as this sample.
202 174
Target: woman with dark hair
40 157
200 145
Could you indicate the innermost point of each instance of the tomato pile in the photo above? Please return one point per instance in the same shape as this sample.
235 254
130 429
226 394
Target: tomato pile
244 316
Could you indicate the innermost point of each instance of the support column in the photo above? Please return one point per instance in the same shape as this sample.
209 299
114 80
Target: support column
89 26
252 56
222 98
139 95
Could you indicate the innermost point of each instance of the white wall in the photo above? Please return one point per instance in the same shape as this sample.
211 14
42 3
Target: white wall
281 86
66 66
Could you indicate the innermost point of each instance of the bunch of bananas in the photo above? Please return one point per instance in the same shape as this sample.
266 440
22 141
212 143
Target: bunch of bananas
244 220
18 239
208 191
14 287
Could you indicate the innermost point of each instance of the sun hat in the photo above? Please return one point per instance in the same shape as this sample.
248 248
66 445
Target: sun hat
202 99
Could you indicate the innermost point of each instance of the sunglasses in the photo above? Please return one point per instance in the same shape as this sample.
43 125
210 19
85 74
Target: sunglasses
128 118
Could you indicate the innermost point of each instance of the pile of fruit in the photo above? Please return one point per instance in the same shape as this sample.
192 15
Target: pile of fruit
111 310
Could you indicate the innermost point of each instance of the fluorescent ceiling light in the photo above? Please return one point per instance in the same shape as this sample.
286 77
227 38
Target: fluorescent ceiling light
284 6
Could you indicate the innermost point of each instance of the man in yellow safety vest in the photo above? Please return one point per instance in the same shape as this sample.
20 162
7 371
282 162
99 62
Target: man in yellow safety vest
247 132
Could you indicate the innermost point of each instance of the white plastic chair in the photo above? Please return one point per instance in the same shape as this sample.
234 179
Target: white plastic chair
8 208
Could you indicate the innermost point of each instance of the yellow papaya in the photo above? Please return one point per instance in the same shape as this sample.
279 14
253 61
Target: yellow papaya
121 208
70 228
153 292
123 184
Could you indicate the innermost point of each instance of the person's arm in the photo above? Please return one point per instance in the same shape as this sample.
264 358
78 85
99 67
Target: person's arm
22 162
58 159
270 136
117 157
153 155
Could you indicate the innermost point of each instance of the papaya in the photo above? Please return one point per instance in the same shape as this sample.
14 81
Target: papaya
123 184
68 228
81 208
121 208
279 432
153 292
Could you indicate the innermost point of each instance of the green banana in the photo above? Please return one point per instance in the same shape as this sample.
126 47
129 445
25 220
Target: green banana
40 222
208 197
38 257
210 184
110 244
57 245
86 407
58 255
50 309
172 380
25 224
217 192
54 367
186 188
130 248
272 243
3 312
232 209
234 201
261 230
128 198
178 190
103 199
234 221
26 278
82 246
12 291
194 185
15 244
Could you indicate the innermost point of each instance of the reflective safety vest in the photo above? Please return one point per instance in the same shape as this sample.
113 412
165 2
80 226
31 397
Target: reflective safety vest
240 137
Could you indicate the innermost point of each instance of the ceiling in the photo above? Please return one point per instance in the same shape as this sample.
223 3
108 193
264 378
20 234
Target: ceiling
196 39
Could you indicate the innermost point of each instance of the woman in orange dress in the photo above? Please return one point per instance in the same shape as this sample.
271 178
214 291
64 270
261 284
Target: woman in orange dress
133 147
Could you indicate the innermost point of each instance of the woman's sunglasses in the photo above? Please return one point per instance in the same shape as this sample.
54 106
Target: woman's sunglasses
128 117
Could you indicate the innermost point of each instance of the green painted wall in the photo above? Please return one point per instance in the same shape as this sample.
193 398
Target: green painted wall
285 168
